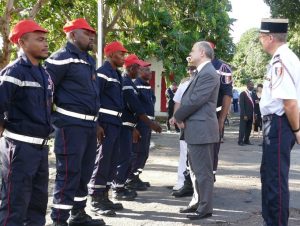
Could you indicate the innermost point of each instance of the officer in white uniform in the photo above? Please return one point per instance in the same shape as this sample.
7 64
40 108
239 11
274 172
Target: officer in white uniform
279 106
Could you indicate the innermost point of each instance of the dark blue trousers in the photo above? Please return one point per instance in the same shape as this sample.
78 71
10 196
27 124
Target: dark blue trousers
106 161
278 142
124 157
140 152
24 189
75 150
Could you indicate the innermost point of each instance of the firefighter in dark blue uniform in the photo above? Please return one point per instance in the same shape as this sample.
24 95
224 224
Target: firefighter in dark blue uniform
77 102
26 92
141 149
279 105
224 101
110 86
133 111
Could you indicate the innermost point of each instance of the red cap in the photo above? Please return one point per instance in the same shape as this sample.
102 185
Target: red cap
114 47
23 27
212 45
79 23
133 59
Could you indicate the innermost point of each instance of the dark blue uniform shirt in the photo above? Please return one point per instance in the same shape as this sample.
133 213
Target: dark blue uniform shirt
26 93
146 96
133 107
76 87
226 79
110 82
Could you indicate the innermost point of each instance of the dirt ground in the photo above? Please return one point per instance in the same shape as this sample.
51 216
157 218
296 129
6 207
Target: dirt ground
236 193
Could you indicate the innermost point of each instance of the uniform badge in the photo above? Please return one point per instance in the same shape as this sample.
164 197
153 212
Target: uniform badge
278 71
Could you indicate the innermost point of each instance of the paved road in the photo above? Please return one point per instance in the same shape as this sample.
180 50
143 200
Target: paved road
236 194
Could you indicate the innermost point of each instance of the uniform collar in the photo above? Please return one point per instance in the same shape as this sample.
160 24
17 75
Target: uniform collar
143 81
108 65
279 50
24 60
73 49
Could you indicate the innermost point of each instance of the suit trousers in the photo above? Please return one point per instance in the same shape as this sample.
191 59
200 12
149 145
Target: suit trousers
201 159
245 129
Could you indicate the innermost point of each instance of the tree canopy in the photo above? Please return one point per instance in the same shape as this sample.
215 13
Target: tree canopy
249 60
163 29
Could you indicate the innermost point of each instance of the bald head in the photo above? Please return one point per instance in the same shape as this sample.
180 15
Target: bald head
201 52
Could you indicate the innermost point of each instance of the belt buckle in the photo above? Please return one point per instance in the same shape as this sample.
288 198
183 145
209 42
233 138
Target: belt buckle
45 142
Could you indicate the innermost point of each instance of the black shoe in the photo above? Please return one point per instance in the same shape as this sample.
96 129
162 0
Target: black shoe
148 185
186 190
59 224
101 205
198 216
80 218
124 194
134 184
248 143
241 143
113 205
189 209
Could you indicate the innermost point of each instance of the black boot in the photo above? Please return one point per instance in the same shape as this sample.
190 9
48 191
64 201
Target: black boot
101 205
80 218
143 182
135 184
59 224
186 190
124 194
112 205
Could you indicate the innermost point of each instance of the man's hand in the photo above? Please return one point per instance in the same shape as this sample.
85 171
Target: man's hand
245 117
1 130
172 121
156 127
221 125
297 135
100 134
136 136
180 125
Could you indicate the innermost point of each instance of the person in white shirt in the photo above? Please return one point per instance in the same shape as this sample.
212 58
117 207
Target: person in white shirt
279 107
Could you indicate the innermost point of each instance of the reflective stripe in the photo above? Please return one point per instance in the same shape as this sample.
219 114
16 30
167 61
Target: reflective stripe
108 183
140 170
143 87
96 186
224 73
18 82
66 61
76 115
119 185
218 109
27 139
136 173
151 117
129 124
128 88
107 78
110 112
80 199
62 206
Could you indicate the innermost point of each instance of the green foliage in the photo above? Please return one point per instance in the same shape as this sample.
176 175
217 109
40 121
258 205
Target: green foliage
249 60
288 9
164 29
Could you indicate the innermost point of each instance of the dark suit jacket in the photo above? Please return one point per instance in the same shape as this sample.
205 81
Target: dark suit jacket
246 107
198 107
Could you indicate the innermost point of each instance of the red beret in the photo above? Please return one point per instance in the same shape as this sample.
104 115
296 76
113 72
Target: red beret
78 24
23 27
114 47
133 59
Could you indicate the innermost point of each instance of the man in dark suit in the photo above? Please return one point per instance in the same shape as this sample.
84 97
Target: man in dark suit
247 101
201 129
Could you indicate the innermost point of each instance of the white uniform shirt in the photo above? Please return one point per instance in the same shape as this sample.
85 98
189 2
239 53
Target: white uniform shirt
180 91
282 82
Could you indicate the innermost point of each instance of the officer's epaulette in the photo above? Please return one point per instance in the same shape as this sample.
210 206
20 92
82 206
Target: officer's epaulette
276 59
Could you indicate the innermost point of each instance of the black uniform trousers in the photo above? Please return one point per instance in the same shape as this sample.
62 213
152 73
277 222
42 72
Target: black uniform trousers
24 189
278 142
